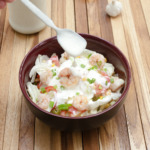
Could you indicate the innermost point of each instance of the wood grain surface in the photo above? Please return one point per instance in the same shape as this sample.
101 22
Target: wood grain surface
130 31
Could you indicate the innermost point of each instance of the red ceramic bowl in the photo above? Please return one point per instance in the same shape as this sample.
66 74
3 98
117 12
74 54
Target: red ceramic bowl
50 46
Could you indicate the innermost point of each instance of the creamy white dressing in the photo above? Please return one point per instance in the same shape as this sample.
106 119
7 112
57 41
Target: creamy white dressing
99 79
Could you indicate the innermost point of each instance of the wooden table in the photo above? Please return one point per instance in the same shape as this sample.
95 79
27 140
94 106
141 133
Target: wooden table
129 129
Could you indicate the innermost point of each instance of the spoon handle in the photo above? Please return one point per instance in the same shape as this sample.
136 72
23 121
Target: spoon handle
39 14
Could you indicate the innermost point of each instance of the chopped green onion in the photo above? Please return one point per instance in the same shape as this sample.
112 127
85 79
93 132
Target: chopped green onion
62 87
92 68
51 104
55 111
77 93
100 87
36 100
105 69
89 55
106 82
91 80
43 90
82 66
99 63
54 73
64 106
112 80
57 78
55 86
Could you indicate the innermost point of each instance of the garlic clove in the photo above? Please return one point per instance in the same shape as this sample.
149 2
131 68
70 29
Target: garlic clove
114 8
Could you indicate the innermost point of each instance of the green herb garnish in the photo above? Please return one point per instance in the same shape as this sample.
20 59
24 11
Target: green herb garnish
112 80
99 63
54 73
43 90
105 69
89 56
51 104
77 93
64 106
55 86
100 87
62 87
82 66
92 68
91 80
106 82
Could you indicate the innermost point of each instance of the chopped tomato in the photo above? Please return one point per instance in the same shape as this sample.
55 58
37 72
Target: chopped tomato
63 113
55 60
39 85
50 88
72 109
37 76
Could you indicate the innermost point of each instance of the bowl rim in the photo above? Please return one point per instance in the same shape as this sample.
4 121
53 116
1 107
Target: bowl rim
118 51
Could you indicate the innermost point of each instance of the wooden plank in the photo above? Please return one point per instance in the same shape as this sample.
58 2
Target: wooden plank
91 139
131 105
139 73
26 137
145 5
27 122
105 24
11 135
2 22
81 16
111 127
42 131
5 64
77 140
93 17
113 134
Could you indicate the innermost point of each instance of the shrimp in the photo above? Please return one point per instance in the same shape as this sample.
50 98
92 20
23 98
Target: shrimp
43 101
80 102
67 79
97 60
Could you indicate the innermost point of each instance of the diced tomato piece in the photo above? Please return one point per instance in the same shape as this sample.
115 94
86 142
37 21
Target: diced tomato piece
50 88
55 60
63 113
39 85
72 109
103 73
37 76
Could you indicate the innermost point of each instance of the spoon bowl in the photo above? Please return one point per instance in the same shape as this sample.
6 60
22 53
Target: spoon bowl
70 41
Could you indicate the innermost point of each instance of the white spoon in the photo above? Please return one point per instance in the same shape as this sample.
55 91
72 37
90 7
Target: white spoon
69 40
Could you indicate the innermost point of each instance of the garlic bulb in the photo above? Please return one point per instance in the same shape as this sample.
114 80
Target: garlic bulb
114 8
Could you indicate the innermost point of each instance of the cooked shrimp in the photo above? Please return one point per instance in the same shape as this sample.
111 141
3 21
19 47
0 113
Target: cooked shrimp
67 79
66 72
97 60
80 102
43 101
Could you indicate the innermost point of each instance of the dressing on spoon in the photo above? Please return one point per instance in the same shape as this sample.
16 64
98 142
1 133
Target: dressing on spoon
69 40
